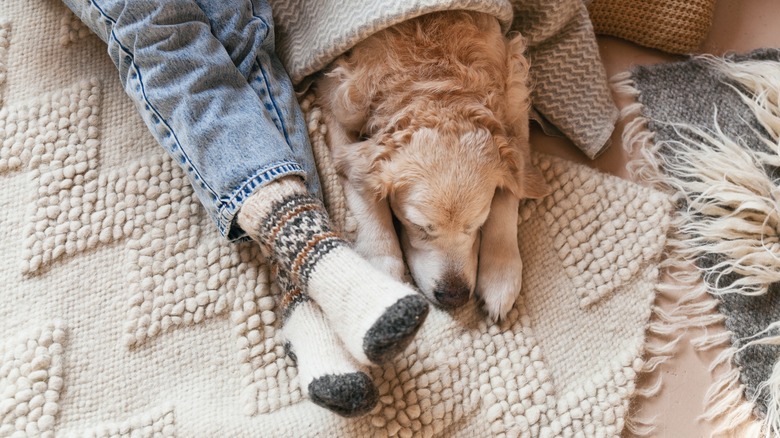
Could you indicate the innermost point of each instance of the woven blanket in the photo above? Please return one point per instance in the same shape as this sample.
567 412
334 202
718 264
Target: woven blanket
712 141
123 313
565 63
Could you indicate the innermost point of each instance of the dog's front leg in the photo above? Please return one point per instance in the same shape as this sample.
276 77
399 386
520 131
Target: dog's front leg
376 239
500 274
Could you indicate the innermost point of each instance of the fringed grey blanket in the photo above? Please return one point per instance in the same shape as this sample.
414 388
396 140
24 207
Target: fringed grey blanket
713 142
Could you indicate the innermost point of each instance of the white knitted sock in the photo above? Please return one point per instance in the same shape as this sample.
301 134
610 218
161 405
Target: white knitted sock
326 372
374 315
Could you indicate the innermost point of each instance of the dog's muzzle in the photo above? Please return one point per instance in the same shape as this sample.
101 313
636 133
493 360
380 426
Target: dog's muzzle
452 291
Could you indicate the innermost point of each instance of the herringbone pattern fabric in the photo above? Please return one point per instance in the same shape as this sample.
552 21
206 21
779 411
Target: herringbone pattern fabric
569 86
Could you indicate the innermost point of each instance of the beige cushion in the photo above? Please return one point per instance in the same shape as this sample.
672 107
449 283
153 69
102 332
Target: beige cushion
675 26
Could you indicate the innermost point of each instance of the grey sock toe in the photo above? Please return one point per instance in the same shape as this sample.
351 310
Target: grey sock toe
348 395
395 328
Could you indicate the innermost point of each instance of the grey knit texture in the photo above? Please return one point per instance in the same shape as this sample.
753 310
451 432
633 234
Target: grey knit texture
349 395
690 92
570 86
395 329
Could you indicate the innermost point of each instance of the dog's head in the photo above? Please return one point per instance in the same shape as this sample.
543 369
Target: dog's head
441 196
440 184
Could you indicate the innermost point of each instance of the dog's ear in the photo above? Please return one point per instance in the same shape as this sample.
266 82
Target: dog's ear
351 95
534 184
519 175
365 164
517 93
522 178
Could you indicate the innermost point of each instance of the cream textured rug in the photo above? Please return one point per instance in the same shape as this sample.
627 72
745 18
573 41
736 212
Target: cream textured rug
122 313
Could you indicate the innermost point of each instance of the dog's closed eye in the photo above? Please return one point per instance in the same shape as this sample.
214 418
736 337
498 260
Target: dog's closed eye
424 232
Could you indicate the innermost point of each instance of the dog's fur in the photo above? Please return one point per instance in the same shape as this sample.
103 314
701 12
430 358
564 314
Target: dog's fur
428 122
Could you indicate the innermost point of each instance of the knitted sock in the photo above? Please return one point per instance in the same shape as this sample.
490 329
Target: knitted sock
374 316
326 372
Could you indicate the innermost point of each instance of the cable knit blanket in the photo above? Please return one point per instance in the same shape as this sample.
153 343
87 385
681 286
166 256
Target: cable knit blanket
124 314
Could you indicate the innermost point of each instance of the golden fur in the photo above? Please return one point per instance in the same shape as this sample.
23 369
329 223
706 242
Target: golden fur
441 104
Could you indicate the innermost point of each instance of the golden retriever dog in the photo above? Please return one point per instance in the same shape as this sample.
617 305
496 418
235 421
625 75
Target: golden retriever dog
428 123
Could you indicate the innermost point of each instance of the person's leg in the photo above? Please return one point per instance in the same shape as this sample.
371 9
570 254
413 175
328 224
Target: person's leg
346 299
200 107
194 100
245 28
326 372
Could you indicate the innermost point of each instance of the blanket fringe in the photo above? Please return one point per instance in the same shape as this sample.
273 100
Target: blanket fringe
636 138
639 427
762 78
735 216
772 422
725 405
664 330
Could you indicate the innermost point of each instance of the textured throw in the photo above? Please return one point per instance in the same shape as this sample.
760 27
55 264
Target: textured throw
123 313
713 143
566 69
675 26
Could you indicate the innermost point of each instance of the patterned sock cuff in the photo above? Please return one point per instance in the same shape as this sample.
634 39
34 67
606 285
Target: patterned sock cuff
299 232
257 207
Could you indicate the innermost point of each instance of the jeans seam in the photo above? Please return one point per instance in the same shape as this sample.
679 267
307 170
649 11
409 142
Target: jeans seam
273 102
148 102
265 80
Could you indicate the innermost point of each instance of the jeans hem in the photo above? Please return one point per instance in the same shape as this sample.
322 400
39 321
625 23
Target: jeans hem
227 211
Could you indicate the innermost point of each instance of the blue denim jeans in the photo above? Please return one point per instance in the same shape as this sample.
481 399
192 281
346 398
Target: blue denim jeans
206 80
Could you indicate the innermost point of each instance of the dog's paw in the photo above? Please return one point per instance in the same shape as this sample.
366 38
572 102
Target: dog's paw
390 265
498 286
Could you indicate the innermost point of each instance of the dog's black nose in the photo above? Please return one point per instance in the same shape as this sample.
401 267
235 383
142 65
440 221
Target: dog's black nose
452 291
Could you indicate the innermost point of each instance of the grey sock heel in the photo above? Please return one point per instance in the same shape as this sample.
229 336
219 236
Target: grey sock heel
395 329
349 395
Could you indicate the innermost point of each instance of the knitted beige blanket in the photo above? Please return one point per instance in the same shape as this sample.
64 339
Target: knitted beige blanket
570 93
122 313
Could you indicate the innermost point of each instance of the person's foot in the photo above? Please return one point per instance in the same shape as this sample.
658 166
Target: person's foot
375 316
349 395
326 372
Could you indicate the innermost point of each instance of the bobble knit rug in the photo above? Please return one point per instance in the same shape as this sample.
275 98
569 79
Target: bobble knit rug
122 313
712 141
